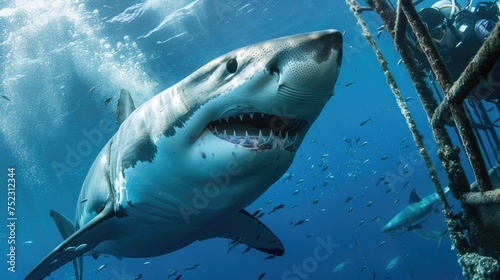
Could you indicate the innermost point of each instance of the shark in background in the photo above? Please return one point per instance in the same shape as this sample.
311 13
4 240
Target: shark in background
419 209
411 217
183 166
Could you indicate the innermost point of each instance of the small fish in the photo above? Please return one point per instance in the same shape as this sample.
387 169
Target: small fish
147 263
392 263
178 277
350 209
399 61
322 210
301 222
245 251
92 89
5 97
261 276
341 266
369 203
382 243
27 242
374 218
80 247
325 155
383 158
172 272
349 198
365 122
139 276
325 168
296 191
70 249
106 102
363 268
366 161
388 190
257 212
276 208
379 33
261 215
490 109
343 33
300 181
315 201
382 27
103 266
195 266
360 223
363 144
408 99
309 235
349 83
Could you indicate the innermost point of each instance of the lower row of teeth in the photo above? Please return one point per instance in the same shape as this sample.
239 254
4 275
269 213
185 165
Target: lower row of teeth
260 141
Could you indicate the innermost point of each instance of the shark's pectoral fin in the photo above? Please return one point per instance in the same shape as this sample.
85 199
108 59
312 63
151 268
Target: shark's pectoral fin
245 228
67 228
425 234
74 246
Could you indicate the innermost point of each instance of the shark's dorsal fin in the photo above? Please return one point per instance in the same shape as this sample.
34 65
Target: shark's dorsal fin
245 228
125 106
67 228
414 198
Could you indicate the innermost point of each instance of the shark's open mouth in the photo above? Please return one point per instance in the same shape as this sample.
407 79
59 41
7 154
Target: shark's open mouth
259 131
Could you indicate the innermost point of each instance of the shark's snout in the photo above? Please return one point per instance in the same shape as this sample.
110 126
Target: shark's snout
308 71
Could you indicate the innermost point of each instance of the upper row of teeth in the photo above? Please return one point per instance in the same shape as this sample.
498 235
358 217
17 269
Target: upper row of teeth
241 116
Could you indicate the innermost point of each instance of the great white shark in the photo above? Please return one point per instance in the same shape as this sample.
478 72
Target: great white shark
411 217
183 166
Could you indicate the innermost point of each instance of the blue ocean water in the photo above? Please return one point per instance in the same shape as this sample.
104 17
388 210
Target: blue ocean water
61 60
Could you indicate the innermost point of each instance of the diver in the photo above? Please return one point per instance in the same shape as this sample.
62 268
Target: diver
458 32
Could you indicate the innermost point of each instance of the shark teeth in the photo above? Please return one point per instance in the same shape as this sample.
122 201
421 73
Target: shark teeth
260 131
260 141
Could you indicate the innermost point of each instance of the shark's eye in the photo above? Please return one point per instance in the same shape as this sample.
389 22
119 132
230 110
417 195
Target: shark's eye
232 65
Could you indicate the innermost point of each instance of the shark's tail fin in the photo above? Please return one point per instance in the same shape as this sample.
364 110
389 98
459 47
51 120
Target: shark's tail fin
67 228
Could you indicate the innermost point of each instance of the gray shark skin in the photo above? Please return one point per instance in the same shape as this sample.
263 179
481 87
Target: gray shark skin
183 166
410 218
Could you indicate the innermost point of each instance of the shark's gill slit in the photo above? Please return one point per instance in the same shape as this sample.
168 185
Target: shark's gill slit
259 131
